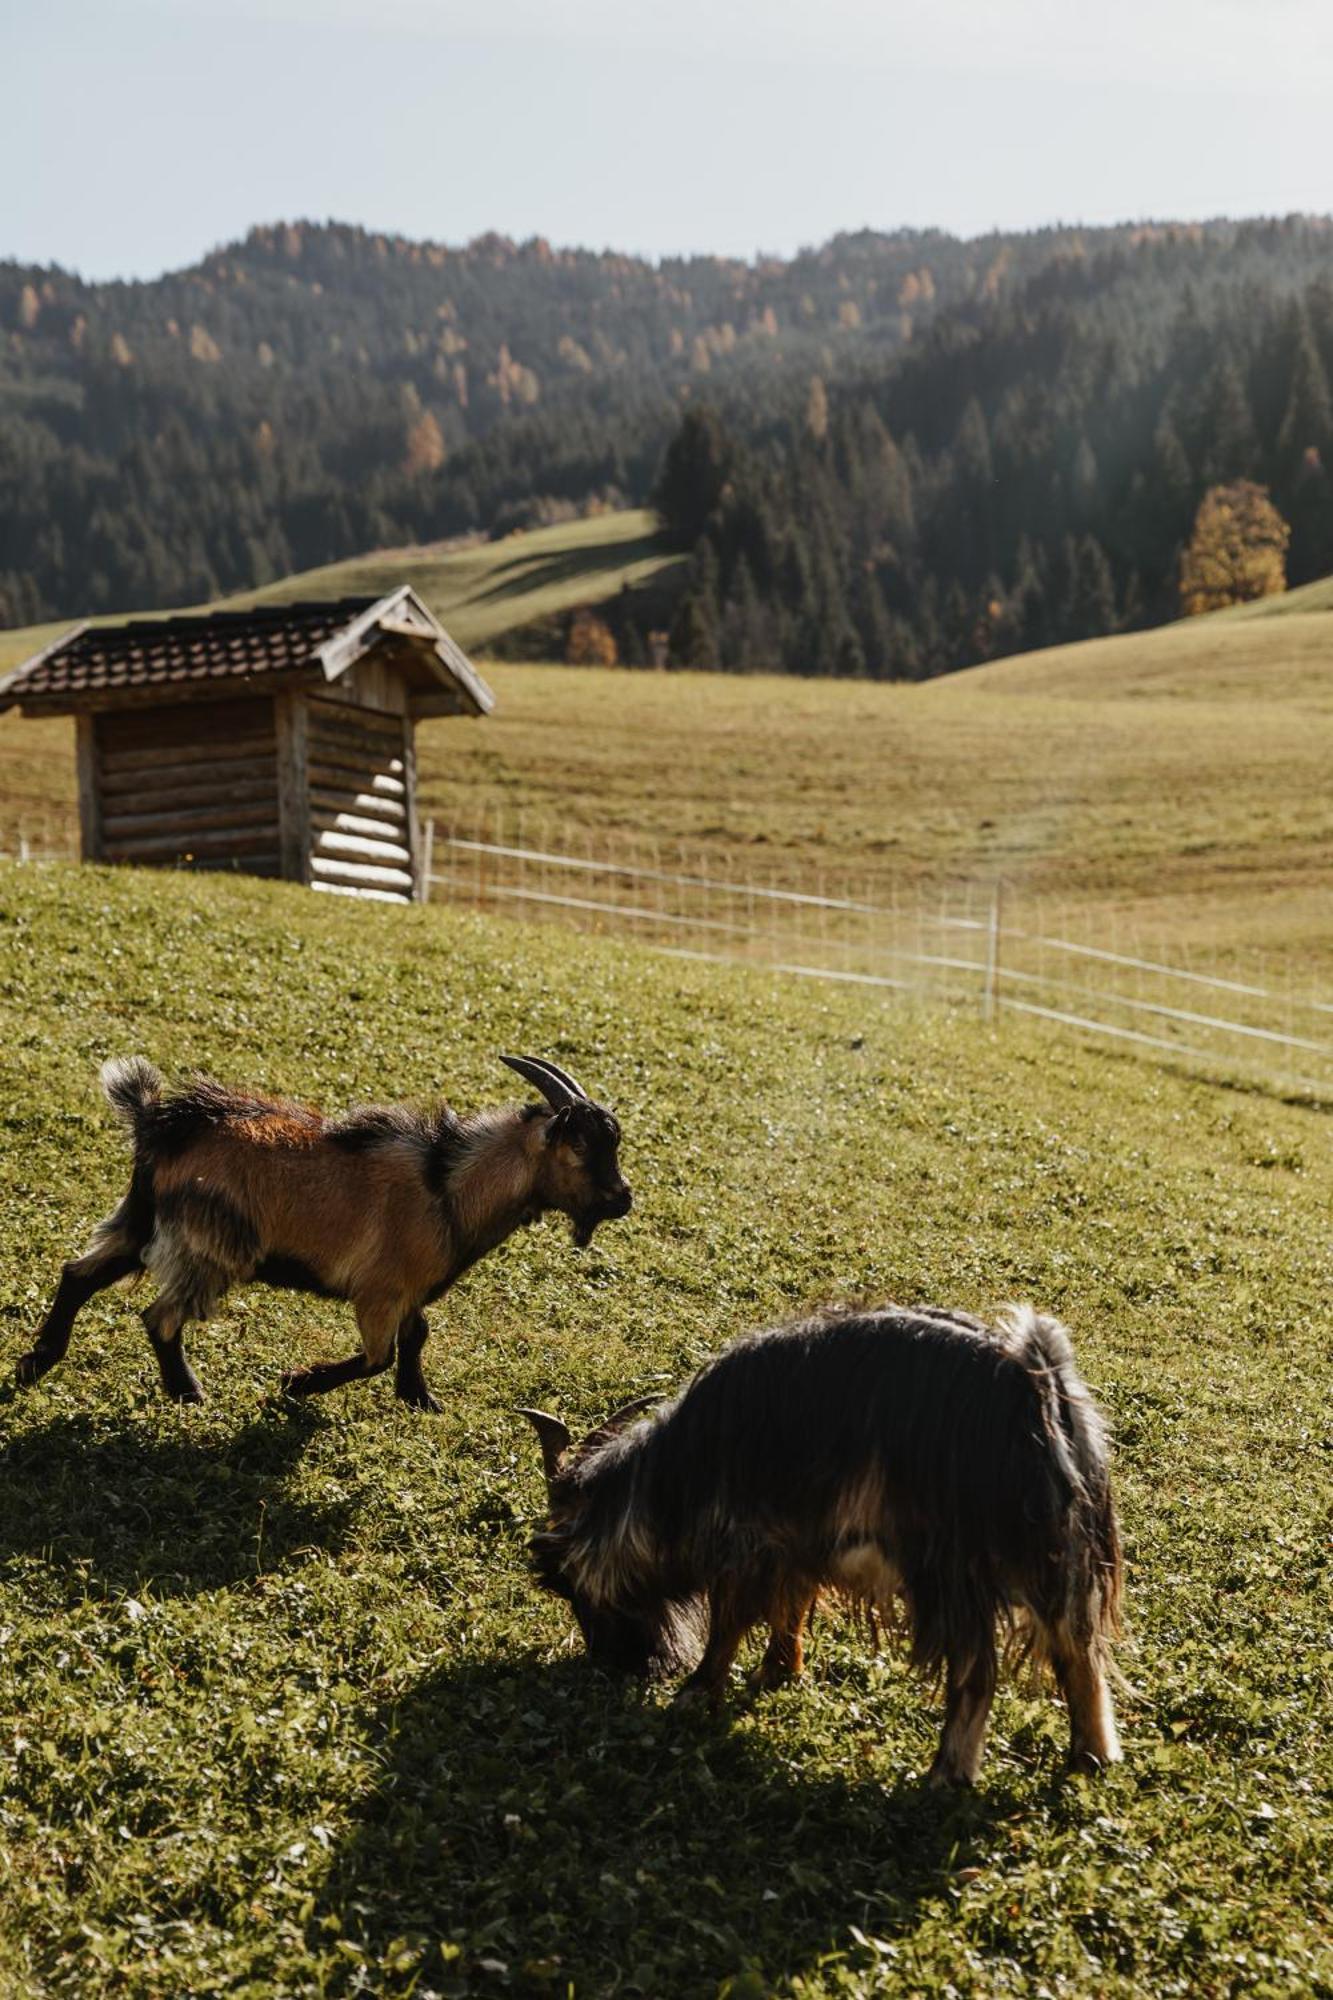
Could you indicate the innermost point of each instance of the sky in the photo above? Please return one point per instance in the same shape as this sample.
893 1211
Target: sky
139 134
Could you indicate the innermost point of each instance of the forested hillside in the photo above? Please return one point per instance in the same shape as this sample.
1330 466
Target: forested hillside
917 451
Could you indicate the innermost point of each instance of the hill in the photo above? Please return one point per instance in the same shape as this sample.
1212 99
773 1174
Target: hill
489 592
937 450
286 1714
1174 781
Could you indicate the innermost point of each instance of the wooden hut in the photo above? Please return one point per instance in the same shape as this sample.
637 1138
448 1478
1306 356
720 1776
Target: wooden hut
277 741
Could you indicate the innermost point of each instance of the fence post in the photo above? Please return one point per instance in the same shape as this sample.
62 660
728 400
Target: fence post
427 859
992 956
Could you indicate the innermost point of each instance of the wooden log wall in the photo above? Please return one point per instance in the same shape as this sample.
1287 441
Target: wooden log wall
190 786
358 762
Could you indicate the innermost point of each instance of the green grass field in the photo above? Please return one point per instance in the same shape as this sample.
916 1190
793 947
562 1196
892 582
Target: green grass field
279 1711
1172 782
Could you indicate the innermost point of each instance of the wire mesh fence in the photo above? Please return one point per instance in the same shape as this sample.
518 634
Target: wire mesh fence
983 946
977 945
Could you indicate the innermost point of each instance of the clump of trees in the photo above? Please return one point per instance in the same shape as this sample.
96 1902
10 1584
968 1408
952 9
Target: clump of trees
1237 552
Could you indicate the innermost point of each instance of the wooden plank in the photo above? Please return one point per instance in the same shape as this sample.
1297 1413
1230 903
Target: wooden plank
221 841
330 868
90 804
267 865
222 721
331 798
351 889
359 774
291 720
350 717
199 819
190 786
356 757
336 841
256 751
437 701
325 820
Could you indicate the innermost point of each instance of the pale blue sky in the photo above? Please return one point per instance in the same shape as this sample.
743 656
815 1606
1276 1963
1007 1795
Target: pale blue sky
139 133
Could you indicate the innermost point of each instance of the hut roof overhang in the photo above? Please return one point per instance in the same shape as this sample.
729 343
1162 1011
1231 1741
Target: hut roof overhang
198 656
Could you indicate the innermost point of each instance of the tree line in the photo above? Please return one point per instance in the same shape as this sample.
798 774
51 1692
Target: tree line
889 455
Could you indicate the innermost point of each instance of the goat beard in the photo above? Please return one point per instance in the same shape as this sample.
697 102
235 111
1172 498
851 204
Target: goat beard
582 1229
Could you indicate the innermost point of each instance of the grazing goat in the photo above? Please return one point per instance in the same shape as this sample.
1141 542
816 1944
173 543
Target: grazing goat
386 1207
920 1461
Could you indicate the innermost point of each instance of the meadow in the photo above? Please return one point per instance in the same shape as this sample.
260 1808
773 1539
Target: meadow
279 1709
1172 782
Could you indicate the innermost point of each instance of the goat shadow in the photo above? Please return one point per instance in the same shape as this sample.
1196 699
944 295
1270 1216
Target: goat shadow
583 1837
171 1512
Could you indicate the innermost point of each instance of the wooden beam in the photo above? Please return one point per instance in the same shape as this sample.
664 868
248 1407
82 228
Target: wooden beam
90 805
333 869
291 716
339 777
413 824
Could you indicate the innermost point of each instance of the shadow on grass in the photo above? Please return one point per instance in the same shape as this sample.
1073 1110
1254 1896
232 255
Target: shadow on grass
172 1513
538 1828
524 574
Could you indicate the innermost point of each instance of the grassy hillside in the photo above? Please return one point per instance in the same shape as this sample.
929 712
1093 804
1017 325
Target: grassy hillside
1177 779
281 1712
486 589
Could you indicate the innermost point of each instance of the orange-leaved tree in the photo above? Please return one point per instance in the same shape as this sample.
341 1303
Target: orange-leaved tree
1238 549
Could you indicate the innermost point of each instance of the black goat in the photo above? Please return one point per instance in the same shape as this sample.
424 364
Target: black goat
917 1460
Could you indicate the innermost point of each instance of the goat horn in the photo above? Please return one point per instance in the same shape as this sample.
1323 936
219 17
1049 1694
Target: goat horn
552 1435
557 1088
563 1076
618 1420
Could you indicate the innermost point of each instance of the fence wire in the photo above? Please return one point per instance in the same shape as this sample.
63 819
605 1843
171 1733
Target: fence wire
979 946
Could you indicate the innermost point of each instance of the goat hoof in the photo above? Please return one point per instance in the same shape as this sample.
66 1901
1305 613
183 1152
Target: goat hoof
32 1366
295 1381
943 1778
420 1398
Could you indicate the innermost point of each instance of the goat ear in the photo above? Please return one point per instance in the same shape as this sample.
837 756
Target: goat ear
618 1420
557 1126
554 1439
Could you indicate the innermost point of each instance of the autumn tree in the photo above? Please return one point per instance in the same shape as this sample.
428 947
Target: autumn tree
1237 551
591 642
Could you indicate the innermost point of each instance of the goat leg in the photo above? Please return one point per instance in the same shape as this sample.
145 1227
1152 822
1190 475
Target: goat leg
164 1321
377 1327
409 1381
80 1280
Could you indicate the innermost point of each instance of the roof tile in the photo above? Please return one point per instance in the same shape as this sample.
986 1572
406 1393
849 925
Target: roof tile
209 646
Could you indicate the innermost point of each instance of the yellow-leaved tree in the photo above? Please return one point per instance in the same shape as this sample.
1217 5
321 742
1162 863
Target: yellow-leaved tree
1238 549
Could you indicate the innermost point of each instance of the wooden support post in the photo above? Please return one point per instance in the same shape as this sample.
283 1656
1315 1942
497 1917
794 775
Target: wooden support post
291 718
420 885
90 804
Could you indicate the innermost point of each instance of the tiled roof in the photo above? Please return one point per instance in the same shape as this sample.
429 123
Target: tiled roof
214 646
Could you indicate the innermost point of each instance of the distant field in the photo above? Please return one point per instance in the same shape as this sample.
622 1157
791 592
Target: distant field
489 588
280 1710
1174 780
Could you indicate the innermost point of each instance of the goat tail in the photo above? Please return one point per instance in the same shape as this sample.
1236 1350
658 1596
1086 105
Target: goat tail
131 1084
1092 1569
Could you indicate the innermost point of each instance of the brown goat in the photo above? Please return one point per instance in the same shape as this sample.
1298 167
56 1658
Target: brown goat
386 1207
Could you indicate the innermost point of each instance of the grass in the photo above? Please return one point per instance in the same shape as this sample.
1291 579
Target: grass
279 1711
1173 781
486 589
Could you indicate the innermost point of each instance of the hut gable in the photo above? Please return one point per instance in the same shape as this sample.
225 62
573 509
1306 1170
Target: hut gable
276 741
